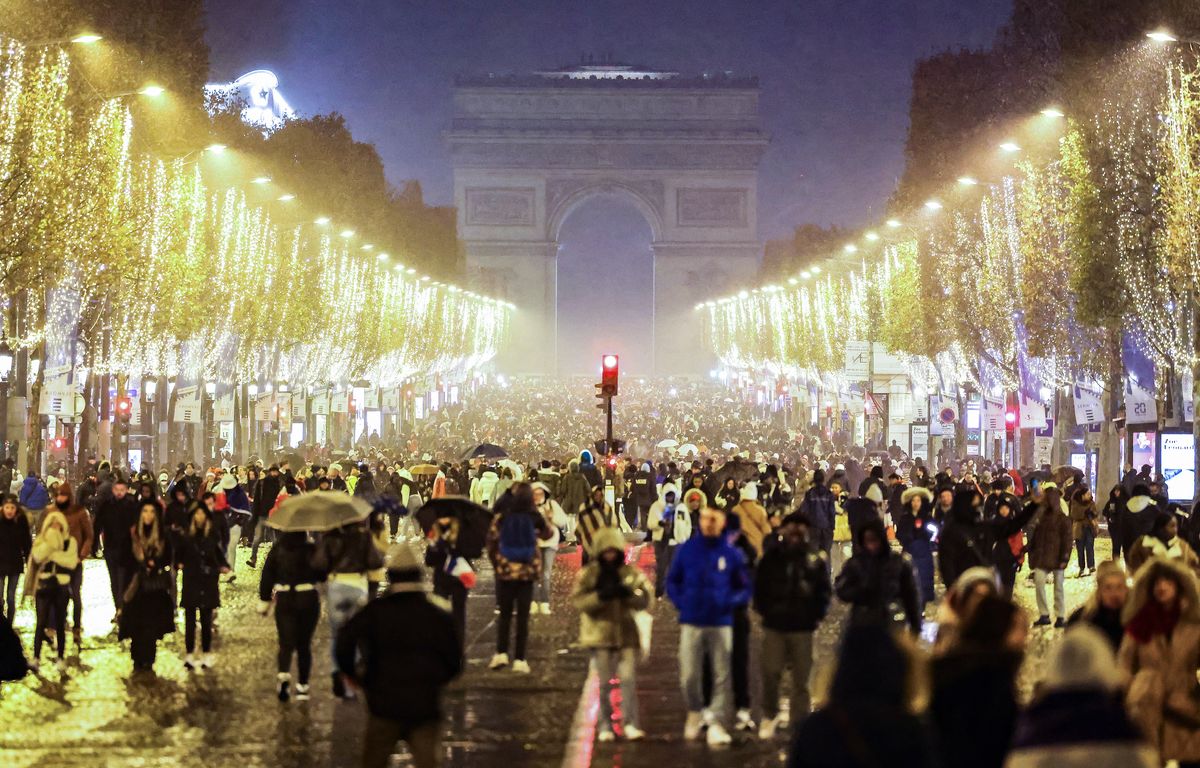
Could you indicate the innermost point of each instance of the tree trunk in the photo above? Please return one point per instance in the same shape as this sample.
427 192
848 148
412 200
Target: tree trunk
1111 452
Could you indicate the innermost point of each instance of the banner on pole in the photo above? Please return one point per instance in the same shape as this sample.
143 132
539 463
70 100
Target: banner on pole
320 404
299 407
1140 407
264 407
371 399
223 408
1032 414
188 405
1088 409
340 402
993 414
391 400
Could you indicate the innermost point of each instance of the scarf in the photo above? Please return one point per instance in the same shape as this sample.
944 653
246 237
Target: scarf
1153 620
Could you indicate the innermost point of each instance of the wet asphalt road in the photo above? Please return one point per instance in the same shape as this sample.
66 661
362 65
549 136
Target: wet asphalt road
99 714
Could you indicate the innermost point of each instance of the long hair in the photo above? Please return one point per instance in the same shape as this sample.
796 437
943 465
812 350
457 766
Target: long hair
204 529
147 543
1143 587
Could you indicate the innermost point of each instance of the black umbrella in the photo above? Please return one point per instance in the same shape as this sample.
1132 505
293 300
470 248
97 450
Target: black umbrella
485 451
473 522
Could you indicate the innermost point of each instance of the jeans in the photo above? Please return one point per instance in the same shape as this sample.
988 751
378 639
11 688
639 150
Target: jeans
822 539
262 532
9 580
696 644
189 628
543 585
344 600
779 650
1039 589
423 739
1085 548
119 577
664 552
518 595
619 664
235 533
76 597
296 617
51 600
452 589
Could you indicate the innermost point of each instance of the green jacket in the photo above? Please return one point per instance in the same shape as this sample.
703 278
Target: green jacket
609 623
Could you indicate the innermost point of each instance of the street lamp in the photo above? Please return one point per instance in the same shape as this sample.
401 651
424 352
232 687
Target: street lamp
87 38
1162 36
1010 146
151 90
1053 112
967 181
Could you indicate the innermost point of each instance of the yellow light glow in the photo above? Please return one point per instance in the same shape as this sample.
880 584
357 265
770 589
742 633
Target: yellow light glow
86 38
933 205
1162 36
153 90
816 270
850 248
216 149
261 180
806 274
286 198
367 246
1053 112
321 221
1010 146
893 223
347 233
967 181
871 236
793 281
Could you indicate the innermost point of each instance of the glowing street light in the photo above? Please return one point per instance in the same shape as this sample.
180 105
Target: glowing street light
1053 112
806 274
816 270
1162 36
793 281
411 271
153 90
87 38
871 236
967 181
367 246
261 180
851 248
321 221
287 198
1010 146
347 233
382 256
933 205
893 223
216 149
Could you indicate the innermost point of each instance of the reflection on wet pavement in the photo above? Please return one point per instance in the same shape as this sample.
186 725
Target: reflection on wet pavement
100 714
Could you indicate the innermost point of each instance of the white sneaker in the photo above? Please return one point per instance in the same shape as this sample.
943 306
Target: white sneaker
534 608
301 692
744 721
521 666
545 609
766 730
691 728
718 736
633 733
189 662
208 661
605 735
498 661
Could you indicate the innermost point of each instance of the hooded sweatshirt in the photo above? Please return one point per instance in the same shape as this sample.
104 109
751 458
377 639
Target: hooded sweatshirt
668 523
707 581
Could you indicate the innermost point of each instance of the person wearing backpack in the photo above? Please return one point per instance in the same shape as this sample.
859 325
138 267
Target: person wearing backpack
512 545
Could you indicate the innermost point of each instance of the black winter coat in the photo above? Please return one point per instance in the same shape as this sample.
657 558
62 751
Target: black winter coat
289 562
16 540
865 735
266 493
115 519
407 645
880 588
202 558
974 707
791 588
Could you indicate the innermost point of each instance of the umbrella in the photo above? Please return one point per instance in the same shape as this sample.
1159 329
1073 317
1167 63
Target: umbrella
688 448
423 469
319 511
668 443
485 451
728 446
518 473
473 522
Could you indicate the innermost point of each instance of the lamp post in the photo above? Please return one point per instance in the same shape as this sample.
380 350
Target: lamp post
6 364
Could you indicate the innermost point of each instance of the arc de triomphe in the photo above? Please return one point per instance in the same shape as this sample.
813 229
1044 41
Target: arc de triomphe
685 152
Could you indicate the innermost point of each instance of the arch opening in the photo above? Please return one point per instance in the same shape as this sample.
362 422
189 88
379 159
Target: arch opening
605 285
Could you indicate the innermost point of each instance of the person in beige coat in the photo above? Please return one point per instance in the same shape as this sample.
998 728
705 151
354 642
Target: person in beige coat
52 560
1159 658
755 525
608 594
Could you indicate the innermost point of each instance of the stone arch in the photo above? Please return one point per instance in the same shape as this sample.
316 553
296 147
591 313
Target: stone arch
559 210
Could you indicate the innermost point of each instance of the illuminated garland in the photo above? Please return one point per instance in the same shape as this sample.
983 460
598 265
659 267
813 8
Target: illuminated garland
155 274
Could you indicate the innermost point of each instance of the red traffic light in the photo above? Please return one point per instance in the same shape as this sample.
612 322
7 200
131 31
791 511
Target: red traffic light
124 405
1010 417
609 373
57 444
612 462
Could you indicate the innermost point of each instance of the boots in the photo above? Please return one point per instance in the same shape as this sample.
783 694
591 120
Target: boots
285 680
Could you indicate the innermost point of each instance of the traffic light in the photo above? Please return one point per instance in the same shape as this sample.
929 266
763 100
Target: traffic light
58 445
124 411
1010 415
609 371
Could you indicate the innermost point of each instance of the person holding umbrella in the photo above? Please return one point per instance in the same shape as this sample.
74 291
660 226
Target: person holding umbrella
289 578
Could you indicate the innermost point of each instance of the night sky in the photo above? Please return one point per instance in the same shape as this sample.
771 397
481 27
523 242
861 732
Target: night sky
834 74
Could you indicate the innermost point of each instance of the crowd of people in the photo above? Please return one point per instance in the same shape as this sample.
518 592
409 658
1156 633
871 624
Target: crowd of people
759 534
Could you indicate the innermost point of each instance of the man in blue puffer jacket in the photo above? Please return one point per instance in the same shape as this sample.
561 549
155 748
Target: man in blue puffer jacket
707 580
